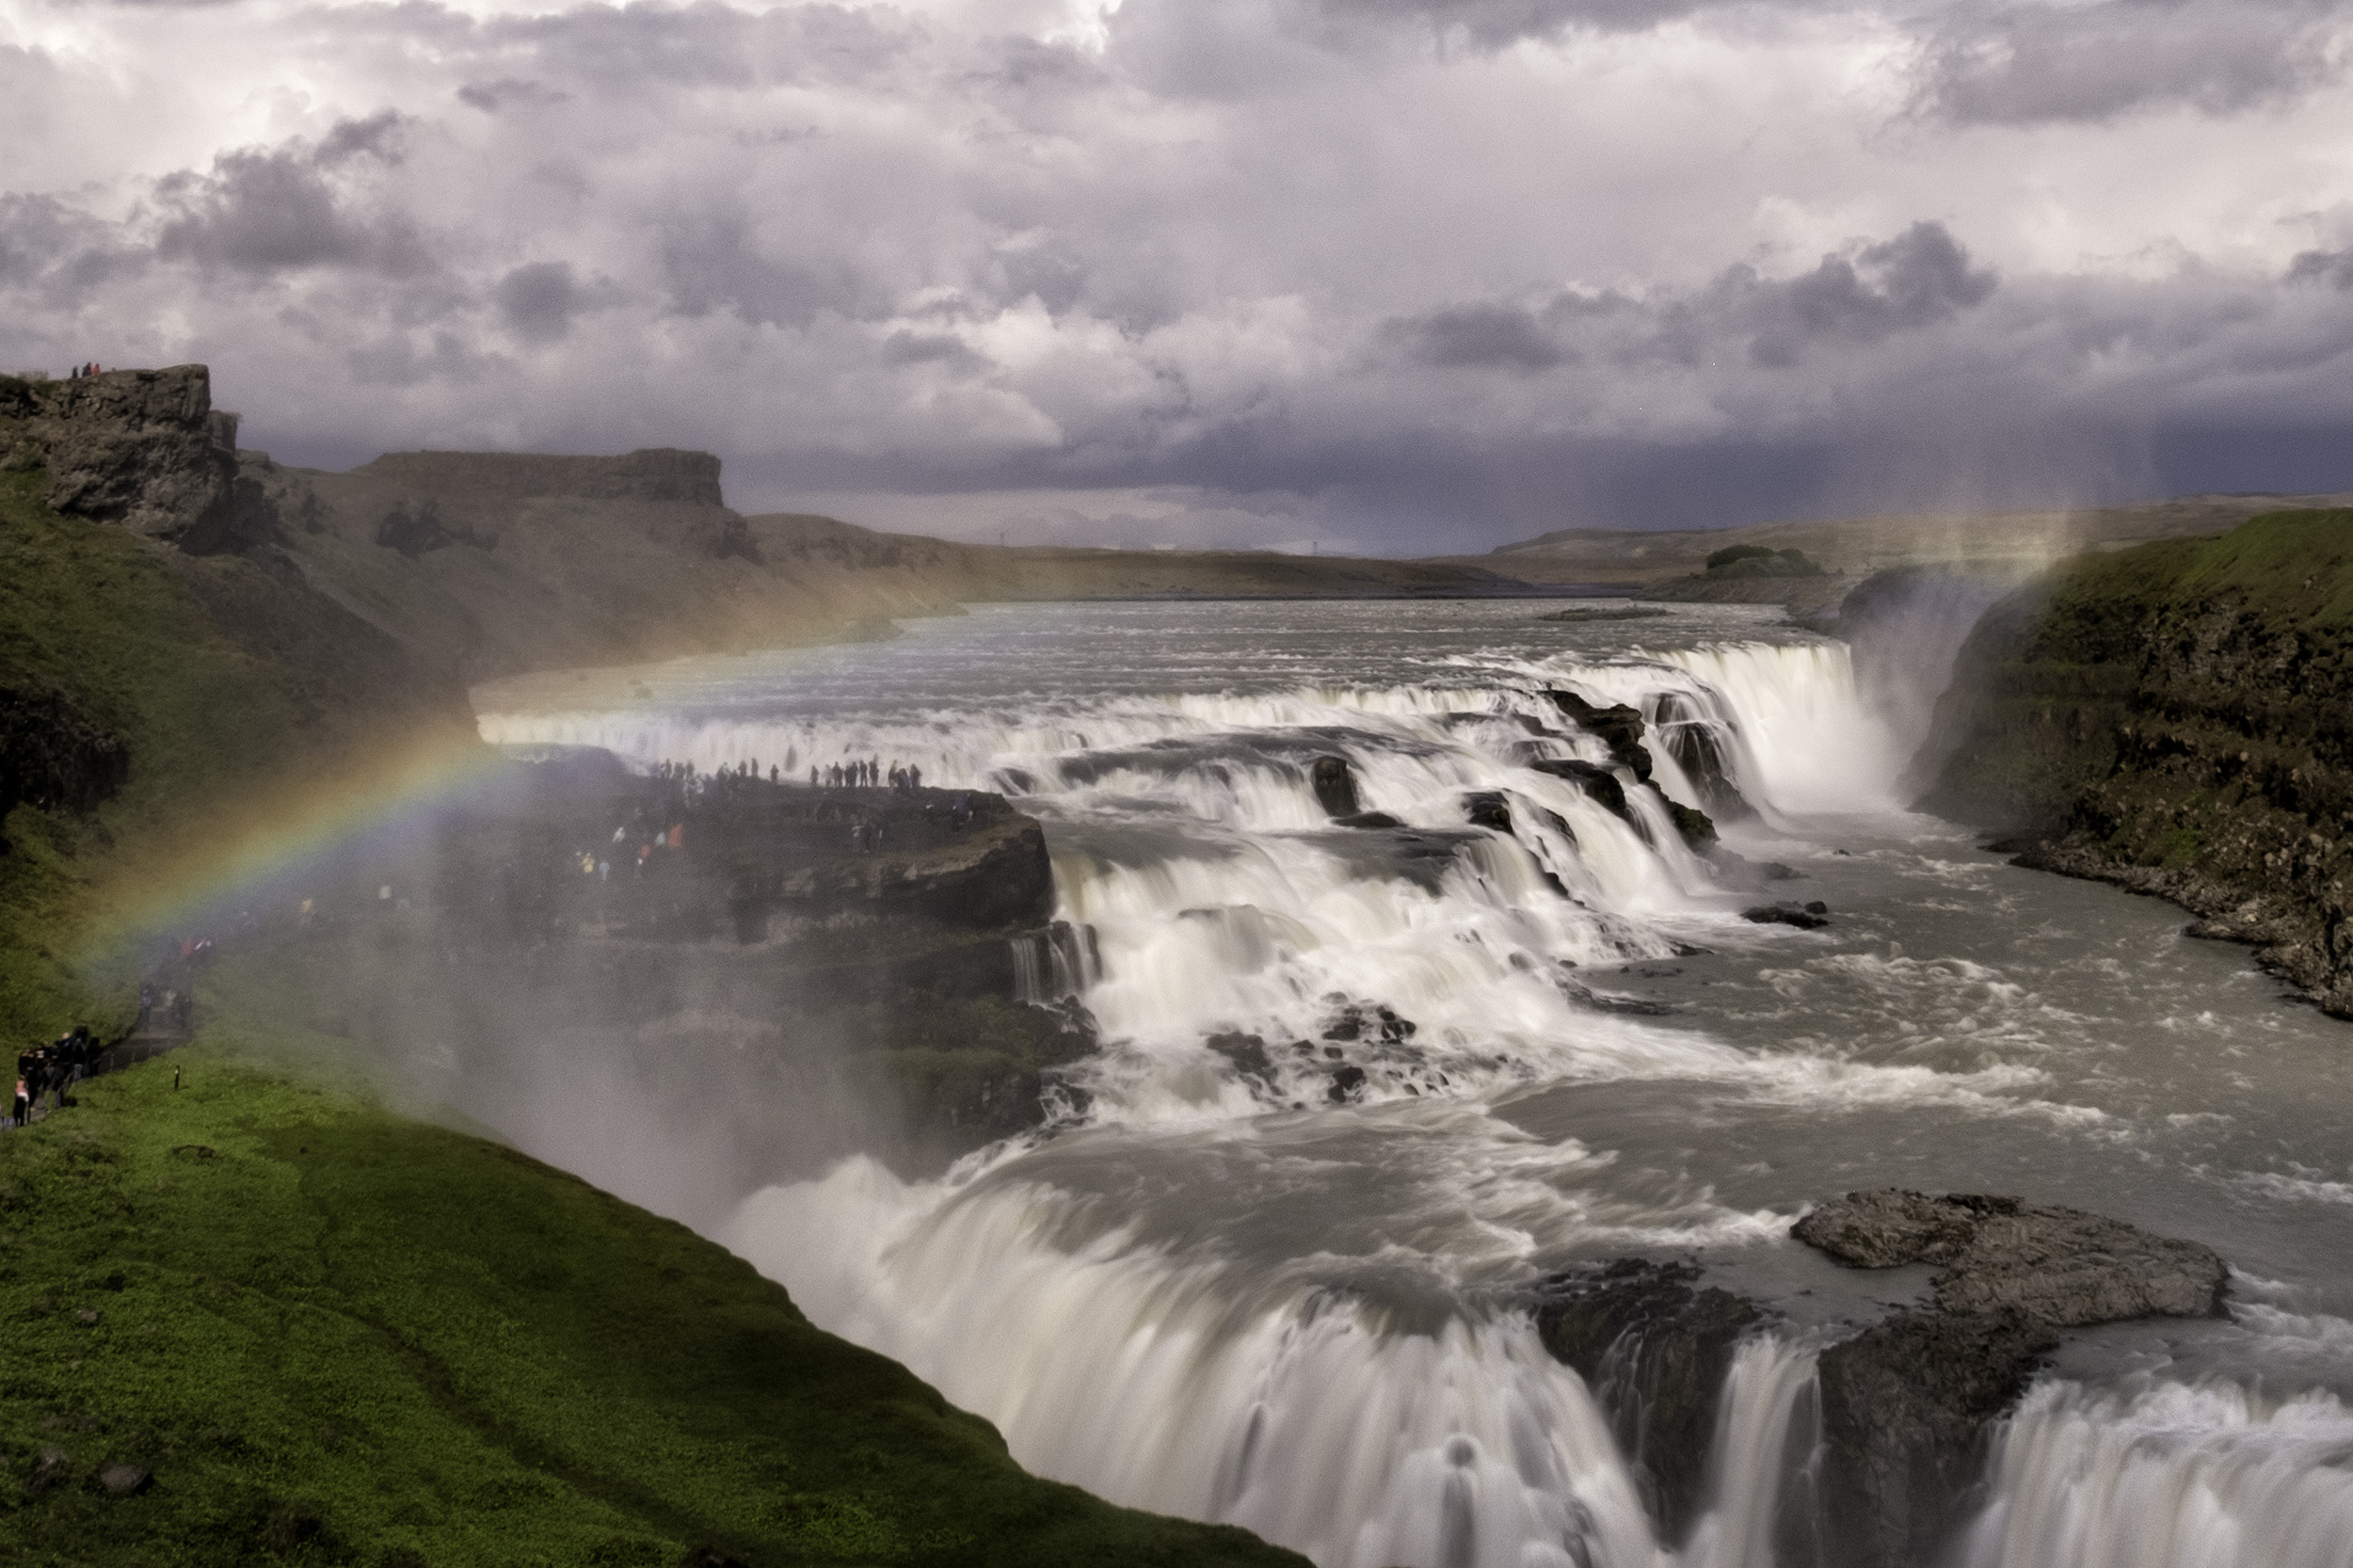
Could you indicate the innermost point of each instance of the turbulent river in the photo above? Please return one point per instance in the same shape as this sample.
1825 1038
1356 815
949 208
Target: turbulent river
1215 1291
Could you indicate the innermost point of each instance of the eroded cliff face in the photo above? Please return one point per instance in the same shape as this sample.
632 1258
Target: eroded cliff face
2178 719
142 448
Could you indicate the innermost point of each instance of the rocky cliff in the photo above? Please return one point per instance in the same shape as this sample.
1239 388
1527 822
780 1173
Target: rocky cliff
2177 719
142 448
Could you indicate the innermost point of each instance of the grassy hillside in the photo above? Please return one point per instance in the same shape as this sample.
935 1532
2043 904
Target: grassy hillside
234 691
335 1334
332 1332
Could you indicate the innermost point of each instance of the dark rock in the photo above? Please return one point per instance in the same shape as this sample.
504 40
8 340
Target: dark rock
142 448
49 1468
1336 786
2058 1266
1806 918
1600 784
1654 1349
1905 1405
1367 819
125 1480
1348 1083
1247 1052
1904 1409
1694 742
1618 726
1488 808
1698 829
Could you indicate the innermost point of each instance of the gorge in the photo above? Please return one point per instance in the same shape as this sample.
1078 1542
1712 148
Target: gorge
1425 1080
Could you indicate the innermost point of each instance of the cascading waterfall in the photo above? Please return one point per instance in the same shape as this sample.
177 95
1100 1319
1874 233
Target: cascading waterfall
2170 1475
1271 1275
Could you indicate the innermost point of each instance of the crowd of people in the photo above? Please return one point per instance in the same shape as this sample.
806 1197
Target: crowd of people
81 373
659 824
44 1073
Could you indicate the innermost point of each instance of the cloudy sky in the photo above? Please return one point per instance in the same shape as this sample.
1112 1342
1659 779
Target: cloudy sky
1403 276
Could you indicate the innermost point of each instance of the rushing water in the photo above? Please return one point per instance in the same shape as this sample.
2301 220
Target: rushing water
1361 1086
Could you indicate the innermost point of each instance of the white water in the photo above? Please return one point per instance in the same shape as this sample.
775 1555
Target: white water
1218 1292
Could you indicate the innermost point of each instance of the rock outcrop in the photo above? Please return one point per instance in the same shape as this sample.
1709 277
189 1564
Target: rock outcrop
2177 719
1655 1347
142 448
1905 1403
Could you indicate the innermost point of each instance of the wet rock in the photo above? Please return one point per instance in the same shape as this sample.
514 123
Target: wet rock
2058 1266
1654 1348
1488 808
1905 1405
1368 819
125 1480
1336 786
1618 726
1806 916
1247 1052
1698 748
1599 784
1904 1409
1697 827
1348 1083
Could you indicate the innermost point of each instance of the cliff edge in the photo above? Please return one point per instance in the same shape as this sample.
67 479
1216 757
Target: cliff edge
2177 719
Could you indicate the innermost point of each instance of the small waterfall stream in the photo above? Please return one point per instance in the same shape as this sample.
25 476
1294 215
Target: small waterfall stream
1275 1274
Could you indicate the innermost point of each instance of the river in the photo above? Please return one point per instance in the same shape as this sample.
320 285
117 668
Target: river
1279 1281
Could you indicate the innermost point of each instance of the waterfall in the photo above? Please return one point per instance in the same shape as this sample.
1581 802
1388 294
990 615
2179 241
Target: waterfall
2170 1475
1170 1379
1321 1018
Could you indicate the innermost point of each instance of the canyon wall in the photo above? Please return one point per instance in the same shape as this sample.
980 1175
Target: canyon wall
2177 719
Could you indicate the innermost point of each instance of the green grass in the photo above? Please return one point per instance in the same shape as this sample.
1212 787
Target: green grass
337 1334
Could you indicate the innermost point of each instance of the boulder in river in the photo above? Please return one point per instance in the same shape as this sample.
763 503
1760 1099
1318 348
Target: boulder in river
1336 786
1488 808
1655 1347
1806 916
1905 1403
1618 726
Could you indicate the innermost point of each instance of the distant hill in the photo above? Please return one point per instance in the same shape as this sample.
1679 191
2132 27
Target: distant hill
1856 547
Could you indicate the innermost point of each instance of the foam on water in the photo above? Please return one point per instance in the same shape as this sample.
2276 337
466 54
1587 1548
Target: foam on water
1219 1291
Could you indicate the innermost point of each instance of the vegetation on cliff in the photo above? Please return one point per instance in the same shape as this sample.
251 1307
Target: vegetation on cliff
2178 718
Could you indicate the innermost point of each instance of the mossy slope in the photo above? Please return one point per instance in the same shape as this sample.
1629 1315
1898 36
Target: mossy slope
339 1335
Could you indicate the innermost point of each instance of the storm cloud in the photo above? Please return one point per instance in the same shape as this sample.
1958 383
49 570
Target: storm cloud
1400 274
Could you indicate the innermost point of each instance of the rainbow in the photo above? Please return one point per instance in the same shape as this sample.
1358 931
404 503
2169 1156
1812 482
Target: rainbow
266 848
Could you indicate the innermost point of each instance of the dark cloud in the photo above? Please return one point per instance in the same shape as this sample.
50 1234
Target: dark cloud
58 255
2039 63
722 261
2333 267
537 300
290 207
1481 337
1919 278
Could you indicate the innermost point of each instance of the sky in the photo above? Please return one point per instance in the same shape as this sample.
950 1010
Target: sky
1398 277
